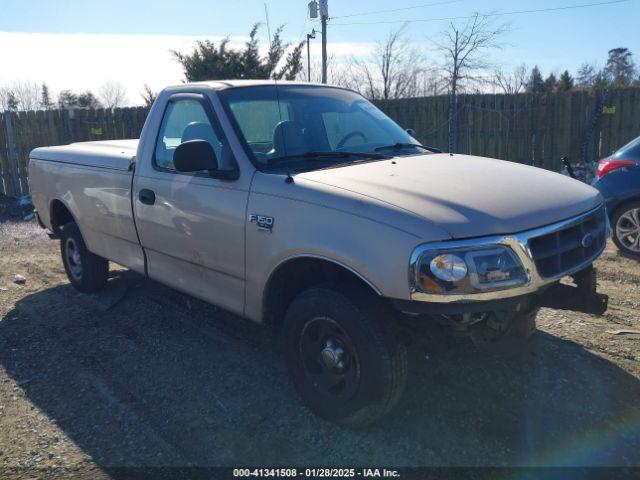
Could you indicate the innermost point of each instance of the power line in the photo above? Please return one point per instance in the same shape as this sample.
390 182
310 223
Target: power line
497 14
397 9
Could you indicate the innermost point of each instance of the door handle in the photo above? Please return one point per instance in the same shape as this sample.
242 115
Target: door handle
147 196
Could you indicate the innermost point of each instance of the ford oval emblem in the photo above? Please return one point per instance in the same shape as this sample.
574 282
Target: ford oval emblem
587 240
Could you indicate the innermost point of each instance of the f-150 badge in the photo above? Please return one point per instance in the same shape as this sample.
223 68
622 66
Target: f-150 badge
263 222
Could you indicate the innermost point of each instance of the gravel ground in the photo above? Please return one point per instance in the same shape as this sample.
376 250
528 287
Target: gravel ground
140 375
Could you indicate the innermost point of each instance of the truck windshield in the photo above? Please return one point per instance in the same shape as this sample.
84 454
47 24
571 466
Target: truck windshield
312 126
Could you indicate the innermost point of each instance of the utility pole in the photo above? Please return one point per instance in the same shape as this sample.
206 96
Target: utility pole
324 15
310 36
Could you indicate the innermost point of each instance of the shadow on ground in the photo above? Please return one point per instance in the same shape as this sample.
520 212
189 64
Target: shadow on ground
142 375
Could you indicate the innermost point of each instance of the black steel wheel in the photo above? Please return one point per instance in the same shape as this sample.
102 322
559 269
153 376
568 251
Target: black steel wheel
86 271
344 355
330 358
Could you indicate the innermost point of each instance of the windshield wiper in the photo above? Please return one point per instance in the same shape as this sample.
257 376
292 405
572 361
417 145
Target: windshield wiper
400 146
328 154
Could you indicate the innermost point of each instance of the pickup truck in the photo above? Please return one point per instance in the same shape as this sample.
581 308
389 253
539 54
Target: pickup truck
304 207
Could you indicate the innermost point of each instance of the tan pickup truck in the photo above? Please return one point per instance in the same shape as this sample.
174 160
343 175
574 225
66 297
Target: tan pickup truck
306 208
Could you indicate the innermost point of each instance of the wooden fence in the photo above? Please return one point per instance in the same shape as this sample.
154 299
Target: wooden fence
527 128
20 132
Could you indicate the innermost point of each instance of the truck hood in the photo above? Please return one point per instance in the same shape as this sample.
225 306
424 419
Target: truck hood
465 195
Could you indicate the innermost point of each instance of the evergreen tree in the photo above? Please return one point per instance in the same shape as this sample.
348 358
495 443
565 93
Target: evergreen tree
88 100
67 99
620 68
536 83
565 83
210 62
148 96
551 83
45 99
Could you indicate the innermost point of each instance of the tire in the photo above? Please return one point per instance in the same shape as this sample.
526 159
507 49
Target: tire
627 219
86 271
344 355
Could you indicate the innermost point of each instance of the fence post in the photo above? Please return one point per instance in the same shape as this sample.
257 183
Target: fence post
453 122
11 151
71 124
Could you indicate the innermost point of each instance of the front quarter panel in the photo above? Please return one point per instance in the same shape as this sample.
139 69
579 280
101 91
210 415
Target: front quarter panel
312 223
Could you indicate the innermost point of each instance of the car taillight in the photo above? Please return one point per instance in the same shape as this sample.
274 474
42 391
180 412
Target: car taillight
607 165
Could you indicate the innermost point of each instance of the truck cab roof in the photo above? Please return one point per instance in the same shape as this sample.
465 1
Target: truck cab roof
224 84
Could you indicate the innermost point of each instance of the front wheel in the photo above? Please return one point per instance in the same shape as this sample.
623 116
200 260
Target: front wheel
626 229
344 355
86 271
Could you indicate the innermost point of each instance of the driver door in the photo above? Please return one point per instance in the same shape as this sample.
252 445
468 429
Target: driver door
190 224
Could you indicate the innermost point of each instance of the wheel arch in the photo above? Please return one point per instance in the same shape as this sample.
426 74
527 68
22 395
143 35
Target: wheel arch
622 203
296 274
59 215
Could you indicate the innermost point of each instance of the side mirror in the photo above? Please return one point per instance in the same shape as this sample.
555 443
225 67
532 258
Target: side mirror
411 132
195 156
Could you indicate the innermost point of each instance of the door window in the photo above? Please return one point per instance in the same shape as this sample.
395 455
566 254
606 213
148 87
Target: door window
186 120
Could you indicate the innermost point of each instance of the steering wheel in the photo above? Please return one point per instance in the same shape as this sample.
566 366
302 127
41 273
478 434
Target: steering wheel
349 136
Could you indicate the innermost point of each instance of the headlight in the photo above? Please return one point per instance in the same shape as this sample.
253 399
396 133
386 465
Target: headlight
469 270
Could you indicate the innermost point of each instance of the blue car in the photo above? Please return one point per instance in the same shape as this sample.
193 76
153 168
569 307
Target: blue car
619 183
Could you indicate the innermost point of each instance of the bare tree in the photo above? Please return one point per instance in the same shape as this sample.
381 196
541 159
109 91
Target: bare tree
26 94
112 94
465 47
393 70
511 83
338 72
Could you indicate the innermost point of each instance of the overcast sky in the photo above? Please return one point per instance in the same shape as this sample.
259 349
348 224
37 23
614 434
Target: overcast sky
79 45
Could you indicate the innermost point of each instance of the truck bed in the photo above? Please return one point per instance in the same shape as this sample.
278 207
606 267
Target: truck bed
93 180
110 154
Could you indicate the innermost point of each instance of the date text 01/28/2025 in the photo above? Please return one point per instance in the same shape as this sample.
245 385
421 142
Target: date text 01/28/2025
316 472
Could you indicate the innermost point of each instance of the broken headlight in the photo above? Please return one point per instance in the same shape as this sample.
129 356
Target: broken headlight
469 270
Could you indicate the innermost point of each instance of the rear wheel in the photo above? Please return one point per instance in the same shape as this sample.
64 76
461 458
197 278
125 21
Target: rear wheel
344 355
86 271
626 229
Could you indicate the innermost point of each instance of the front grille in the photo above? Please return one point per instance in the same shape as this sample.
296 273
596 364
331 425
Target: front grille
563 251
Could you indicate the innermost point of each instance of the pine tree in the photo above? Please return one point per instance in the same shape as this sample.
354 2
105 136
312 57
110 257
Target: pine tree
566 82
535 84
620 68
551 83
67 99
88 100
45 100
209 61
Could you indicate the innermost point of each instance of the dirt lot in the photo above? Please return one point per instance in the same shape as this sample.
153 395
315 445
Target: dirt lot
142 375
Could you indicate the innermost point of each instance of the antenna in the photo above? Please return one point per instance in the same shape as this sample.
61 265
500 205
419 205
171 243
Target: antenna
289 178
266 16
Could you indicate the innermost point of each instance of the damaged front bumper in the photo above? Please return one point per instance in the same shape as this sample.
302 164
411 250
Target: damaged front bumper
579 296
